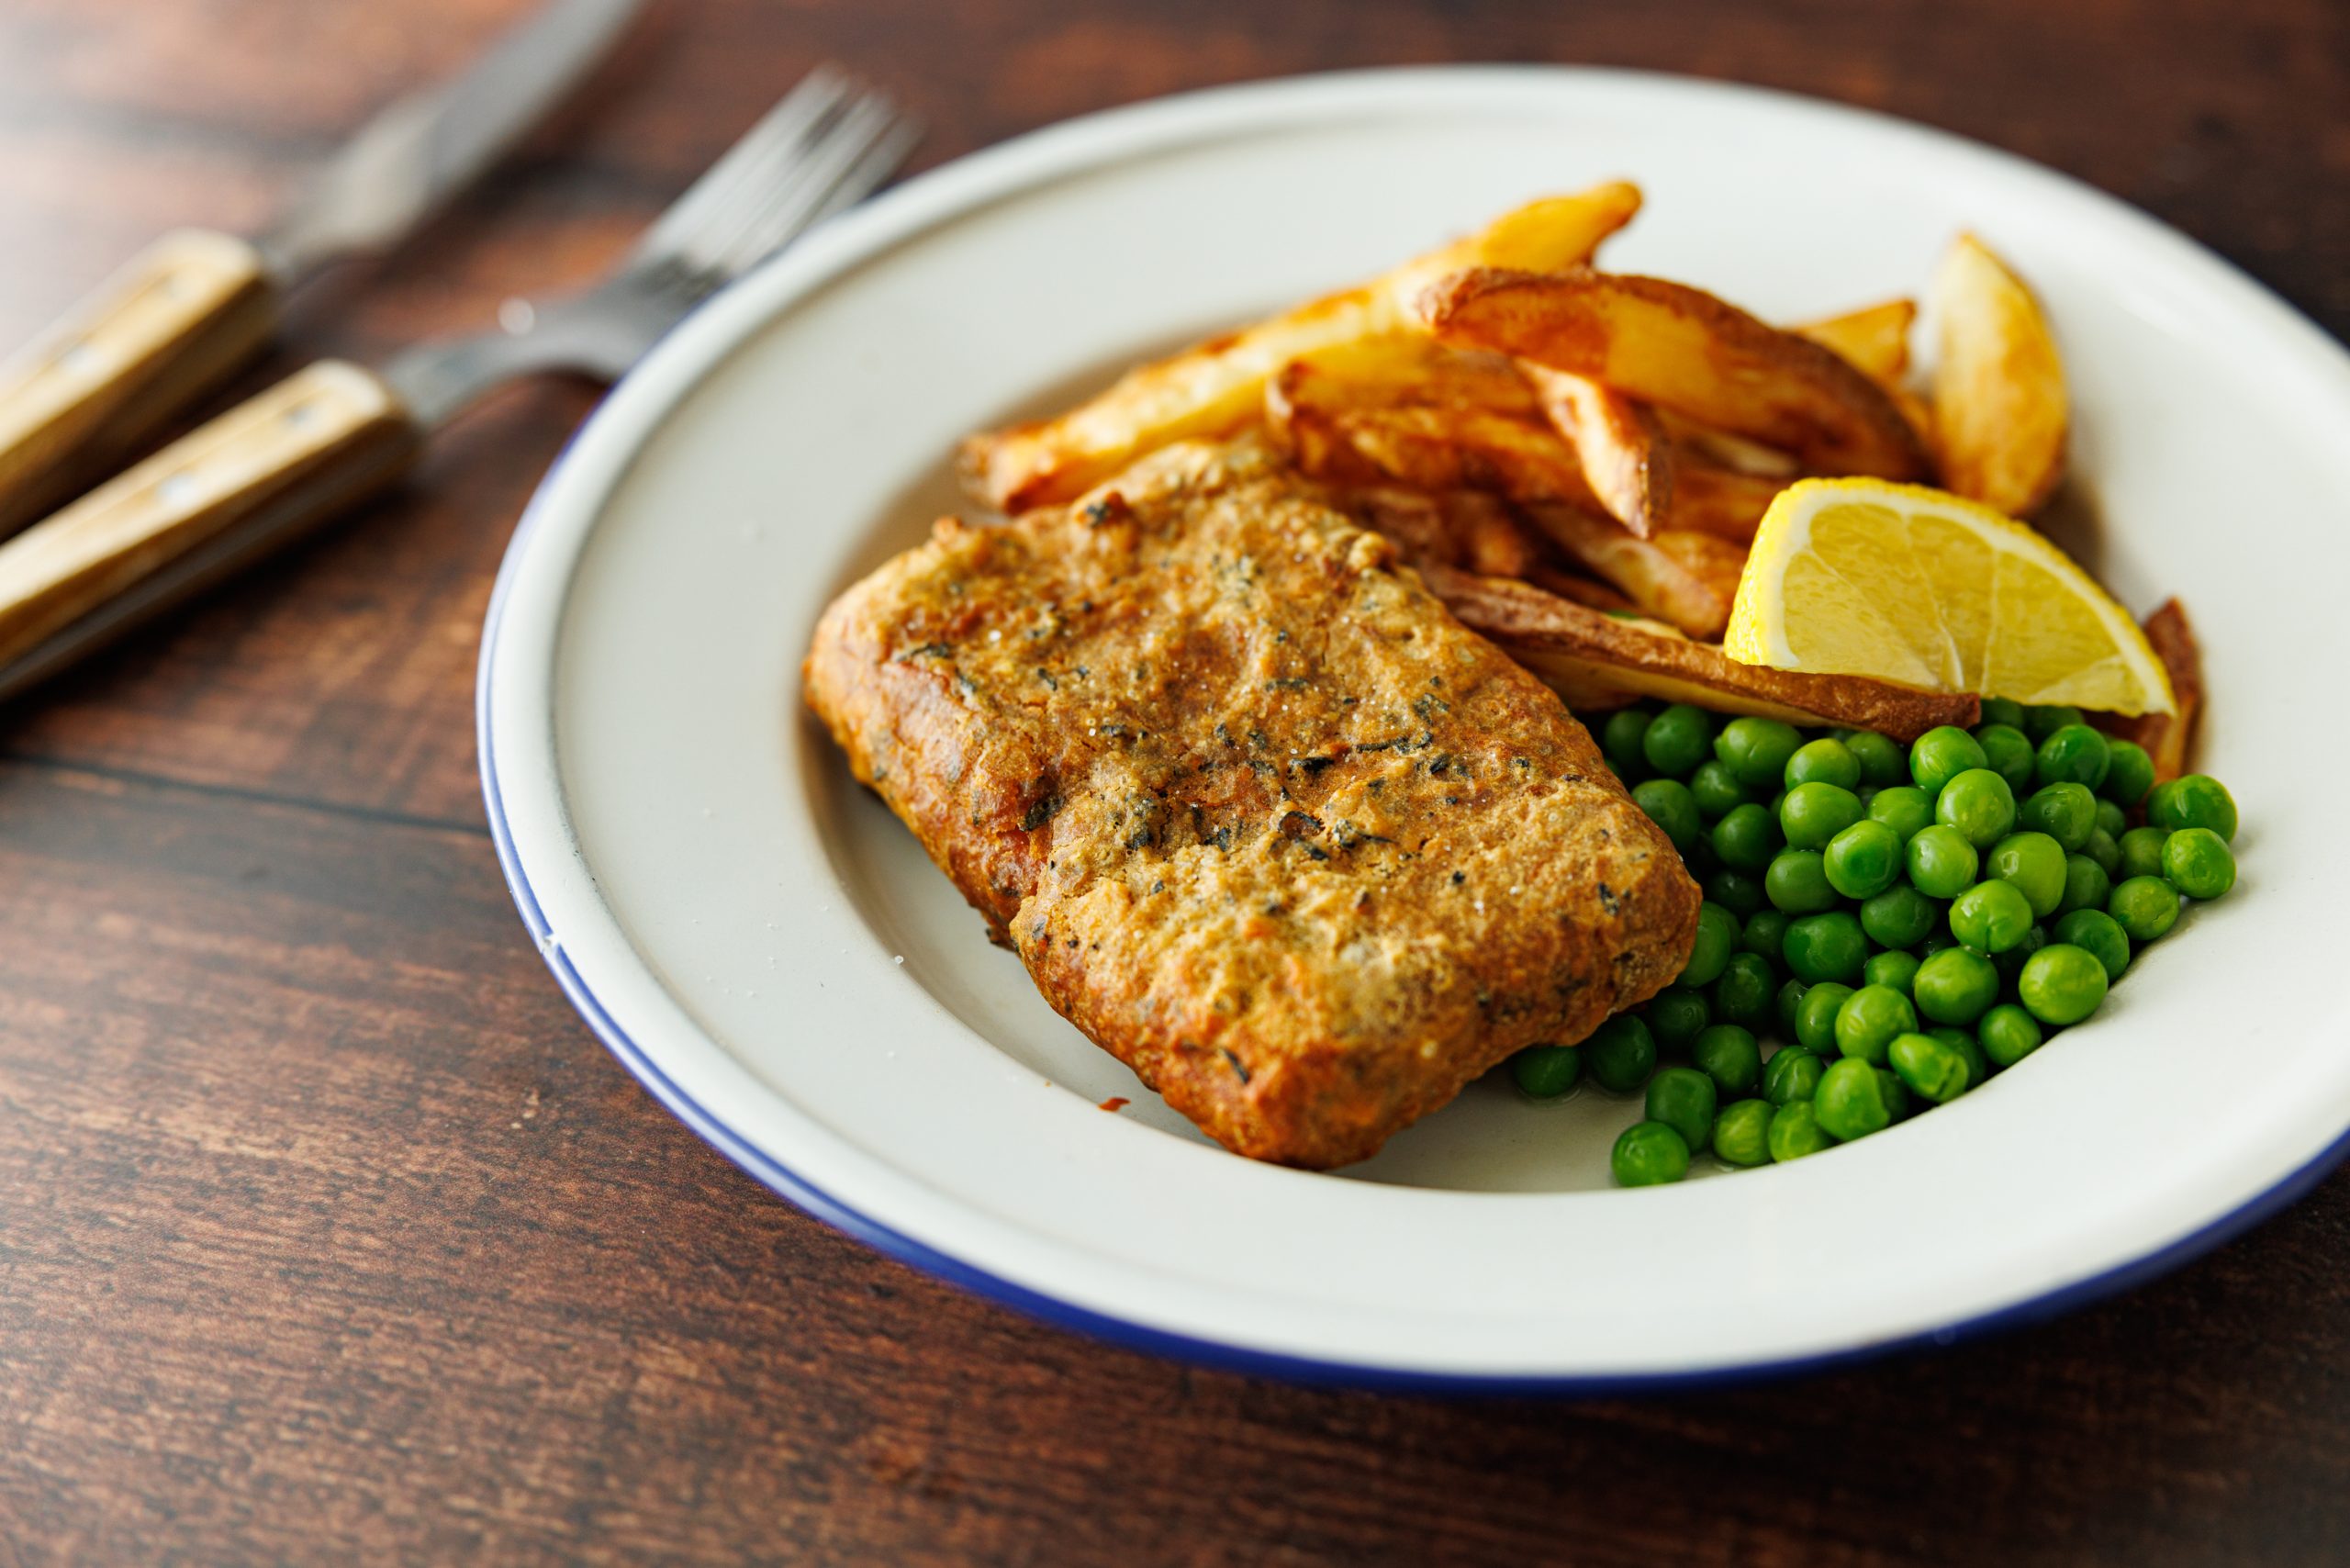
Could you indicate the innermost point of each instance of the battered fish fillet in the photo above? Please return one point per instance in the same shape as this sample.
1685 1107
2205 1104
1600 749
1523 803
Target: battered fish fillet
1261 818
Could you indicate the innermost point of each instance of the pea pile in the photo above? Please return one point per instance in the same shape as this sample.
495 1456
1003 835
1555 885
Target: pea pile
1904 924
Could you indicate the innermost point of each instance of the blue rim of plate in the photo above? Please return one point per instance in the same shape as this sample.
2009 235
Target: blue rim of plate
811 1199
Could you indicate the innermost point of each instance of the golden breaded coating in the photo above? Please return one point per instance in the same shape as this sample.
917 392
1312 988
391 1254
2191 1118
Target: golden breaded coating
1260 817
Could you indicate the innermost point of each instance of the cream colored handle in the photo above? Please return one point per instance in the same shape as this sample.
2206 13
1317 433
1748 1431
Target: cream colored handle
75 403
313 444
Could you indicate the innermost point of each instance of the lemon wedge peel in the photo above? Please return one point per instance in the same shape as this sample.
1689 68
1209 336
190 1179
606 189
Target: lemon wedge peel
1905 583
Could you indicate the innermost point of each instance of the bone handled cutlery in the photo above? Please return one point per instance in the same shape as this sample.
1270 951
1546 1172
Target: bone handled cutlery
293 456
196 305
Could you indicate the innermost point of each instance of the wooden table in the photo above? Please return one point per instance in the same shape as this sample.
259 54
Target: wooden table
325 1226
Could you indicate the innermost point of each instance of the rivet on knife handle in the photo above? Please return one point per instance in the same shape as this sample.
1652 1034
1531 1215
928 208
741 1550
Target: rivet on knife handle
305 449
76 402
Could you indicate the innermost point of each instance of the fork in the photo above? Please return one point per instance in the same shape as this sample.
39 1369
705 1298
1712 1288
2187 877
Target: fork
327 437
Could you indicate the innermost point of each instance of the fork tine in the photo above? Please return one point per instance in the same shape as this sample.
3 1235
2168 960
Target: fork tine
875 167
795 203
750 162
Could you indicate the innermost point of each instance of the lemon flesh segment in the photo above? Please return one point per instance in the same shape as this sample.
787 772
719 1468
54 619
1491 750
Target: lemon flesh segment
1898 582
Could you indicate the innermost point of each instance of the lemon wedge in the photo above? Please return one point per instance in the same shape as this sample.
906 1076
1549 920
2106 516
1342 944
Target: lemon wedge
1864 576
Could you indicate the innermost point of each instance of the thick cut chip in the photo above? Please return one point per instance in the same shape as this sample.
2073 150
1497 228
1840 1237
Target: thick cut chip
1260 815
1622 447
1710 499
1217 387
2170 738
1410 412
2000 412
1874 340
1686 578
1857 576
1680 347
1596 660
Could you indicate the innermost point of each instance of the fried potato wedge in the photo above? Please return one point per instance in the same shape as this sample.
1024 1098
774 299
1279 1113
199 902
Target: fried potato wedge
1433 446
1874 340
1599 660
1681 348
1724 502
2170 738
1626 457
2000 412
1467 528
1212 388
1685 578
1725 450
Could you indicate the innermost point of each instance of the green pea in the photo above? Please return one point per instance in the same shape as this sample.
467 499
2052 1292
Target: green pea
1742 1134
2010 963
1735 891
2076 755
1675 1015
1790 1074
1621 742
2097 932
1896 1092
1869 1021
1620 1054
2129 774
1849 1101
1716 790
1963 1041
2106 850
1683 1099
1729 1055
1757 750
1765 929
2061 983
1991 917
1545 1072
2041 722
1894 968
2141 853
1788 1005
2085 885
2009 1035
1978 804
2007 753
1904 807
1901 916
2003 710
2144 907
1863 861
1824 761
1670 805
2198 863
1816 811
2065 813
1943 753
1930 1068
1678 740
1955 986
1744 993
1795 1132
1883 763
2034 864
1747 837
1816 1019
1942 862
1648 1154
1797 882
1828 947
1717 936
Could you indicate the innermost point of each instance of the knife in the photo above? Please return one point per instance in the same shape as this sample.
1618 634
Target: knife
79 399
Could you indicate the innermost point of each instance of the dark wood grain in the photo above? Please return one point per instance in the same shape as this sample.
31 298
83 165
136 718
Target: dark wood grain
326 1229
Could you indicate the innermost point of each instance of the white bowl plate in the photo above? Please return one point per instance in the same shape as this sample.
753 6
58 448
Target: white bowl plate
764 946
